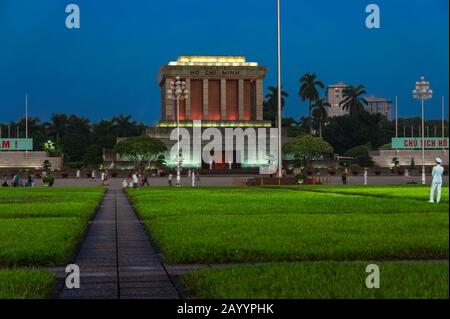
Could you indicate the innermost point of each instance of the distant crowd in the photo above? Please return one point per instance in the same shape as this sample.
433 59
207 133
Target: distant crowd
18 181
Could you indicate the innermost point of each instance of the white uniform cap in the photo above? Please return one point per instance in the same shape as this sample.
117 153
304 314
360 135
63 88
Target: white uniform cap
438 160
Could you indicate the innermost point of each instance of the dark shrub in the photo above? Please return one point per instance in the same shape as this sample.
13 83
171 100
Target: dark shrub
48 180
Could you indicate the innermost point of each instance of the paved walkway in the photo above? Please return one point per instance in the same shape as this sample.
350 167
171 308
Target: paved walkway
117 259
223 181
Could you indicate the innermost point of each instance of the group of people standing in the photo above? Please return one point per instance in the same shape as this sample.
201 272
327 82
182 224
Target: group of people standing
135 180
17 181
192 174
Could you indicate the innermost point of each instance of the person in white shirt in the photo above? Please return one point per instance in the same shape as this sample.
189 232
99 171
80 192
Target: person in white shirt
135 180
437 173
365 176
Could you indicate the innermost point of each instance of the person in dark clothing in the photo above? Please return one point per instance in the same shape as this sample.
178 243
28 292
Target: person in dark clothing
344 177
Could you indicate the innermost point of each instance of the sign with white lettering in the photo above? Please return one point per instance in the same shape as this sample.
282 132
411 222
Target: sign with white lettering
416 143
16 144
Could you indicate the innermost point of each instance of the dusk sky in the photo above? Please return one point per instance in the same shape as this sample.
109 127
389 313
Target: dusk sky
109 66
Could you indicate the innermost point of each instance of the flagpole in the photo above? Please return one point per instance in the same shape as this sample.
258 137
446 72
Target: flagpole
26 115
26 121
443 122
396 116
280 158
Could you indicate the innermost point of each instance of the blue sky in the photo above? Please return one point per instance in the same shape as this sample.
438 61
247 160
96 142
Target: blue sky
110 65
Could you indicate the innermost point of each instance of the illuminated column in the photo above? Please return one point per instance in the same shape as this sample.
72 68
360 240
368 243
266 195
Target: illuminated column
223 98
169 111
205 99
241 99
259 100
188 101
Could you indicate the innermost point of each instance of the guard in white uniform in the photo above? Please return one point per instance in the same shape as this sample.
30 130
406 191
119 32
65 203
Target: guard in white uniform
437 173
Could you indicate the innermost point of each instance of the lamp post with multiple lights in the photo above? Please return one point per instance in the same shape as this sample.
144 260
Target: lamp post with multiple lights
423 92
178 92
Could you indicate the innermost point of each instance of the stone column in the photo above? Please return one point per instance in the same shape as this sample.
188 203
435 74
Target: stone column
169 111
259 100
241 99
223 98
205 99
188 101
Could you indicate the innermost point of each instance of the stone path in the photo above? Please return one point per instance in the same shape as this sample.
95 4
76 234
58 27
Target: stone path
117 259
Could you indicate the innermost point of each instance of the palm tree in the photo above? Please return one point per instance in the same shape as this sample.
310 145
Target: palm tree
309 89
353 101
125 126
319 112
305 124
58 125
271 103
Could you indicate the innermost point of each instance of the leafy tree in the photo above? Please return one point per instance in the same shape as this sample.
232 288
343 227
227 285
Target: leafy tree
385 147
306 148
305 124
126 127
143 151
292 126
270 105
358 151
353 100
344 132
93 155
58 125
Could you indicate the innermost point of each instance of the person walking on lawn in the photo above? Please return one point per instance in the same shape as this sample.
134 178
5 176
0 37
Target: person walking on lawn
437 173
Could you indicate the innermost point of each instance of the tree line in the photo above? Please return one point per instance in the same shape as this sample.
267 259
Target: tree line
343 133
78 138
82 140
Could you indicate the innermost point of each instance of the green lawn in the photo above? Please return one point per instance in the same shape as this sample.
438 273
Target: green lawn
417 192
320 280
26 284
40 227
331 225
219 225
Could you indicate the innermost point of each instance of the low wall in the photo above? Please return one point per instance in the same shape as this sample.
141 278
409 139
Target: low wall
19 160
384 158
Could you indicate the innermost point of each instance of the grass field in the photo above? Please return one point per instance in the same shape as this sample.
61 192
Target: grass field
26 284
320 280
40 227
262 224
416 192
328 225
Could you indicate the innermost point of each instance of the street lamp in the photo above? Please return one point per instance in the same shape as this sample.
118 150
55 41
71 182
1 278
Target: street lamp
423 92
178 92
